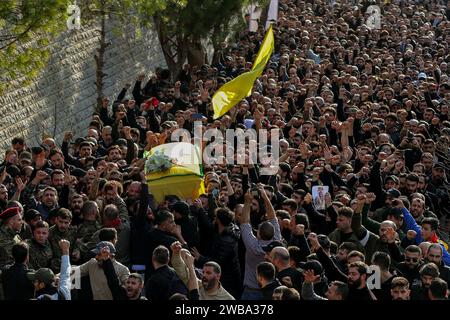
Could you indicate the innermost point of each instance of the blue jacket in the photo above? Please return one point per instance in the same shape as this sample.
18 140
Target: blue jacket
411 224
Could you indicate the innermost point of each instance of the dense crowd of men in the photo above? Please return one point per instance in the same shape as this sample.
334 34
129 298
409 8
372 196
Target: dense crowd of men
362 113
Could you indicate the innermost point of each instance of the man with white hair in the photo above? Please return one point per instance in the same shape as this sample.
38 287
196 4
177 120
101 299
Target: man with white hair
280 258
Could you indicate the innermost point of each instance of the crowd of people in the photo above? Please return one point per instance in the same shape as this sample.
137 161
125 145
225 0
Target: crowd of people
362 113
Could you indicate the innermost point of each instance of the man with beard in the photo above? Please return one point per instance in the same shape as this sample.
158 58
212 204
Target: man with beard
400 289
41 252
435 255
133 194
62 230
11 224
210 287
3 197
428 273
188 223
106 140
224 251
76 203
439 185
111 194
412 184
49 199
357 276
60 182
412 264
418 211
164 281
57 159
133 288
113 154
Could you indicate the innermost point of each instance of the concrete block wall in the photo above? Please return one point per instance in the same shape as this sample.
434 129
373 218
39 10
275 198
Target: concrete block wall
63 96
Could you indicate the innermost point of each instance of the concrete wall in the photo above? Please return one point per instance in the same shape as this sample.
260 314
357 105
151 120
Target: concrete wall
63 97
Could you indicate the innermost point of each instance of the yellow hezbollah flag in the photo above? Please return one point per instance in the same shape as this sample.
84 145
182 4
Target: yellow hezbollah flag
184 179
241 87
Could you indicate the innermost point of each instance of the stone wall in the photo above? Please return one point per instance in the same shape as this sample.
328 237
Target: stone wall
63 97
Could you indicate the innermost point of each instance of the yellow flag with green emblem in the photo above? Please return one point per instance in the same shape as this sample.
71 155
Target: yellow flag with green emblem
241 87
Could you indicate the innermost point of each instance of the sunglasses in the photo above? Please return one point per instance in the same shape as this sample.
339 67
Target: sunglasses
412 259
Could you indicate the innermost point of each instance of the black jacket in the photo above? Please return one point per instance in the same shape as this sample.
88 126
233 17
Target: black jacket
410 275
224 251
419 293
384 293
267 291
155 238
16 285
189 230
163 283
444 273
140 228
360 294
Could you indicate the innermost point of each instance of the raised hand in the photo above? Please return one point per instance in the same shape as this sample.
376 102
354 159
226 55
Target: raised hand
195 253
310 277
176 247
20 184
299 230
68 135
64 245
391 234
411 234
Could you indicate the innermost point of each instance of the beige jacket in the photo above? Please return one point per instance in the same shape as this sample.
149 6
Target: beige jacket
182 272
99 284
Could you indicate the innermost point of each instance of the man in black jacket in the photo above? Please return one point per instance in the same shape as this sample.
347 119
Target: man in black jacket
164 281
428 273
16 285
412 264
265 274
357 277
224 251
163 234
435 255
188 223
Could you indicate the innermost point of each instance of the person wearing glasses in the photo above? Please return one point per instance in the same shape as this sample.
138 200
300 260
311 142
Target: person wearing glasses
411 266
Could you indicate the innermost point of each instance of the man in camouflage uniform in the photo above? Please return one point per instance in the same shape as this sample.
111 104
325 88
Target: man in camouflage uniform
40 251
63 230
89 226
11 224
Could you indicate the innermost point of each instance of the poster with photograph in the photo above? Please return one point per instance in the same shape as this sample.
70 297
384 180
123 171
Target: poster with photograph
318 194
